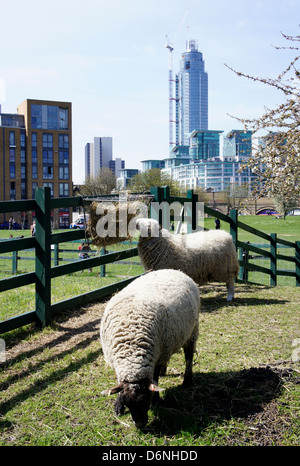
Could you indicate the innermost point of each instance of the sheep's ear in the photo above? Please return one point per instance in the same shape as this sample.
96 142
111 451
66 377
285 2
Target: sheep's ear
155 388
112 391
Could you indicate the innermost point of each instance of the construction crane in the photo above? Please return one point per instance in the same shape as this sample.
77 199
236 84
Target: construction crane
169 46
171 98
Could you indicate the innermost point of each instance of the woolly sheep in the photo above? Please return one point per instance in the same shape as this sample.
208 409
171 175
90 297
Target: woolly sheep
142 326
206 256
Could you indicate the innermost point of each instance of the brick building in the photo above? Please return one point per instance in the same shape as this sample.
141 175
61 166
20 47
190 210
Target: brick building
36 151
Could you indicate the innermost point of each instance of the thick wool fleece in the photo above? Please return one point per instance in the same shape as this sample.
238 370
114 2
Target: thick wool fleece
148 321
205 256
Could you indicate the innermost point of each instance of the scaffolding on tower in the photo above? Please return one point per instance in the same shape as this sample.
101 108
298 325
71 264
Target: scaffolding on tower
170 47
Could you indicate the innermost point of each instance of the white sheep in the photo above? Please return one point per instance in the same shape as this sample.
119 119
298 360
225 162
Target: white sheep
206 256
142 326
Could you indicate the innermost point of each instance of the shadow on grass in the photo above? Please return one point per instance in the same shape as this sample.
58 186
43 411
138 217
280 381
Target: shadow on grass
213 398
41 384
213 297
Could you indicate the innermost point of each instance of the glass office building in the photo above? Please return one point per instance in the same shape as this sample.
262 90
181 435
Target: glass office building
204 145
205 166
191 94
237 143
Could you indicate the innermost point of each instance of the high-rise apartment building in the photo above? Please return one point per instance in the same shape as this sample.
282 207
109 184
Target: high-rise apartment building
36 151
99 154
191 94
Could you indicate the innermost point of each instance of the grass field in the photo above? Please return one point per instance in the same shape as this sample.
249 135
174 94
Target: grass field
245 389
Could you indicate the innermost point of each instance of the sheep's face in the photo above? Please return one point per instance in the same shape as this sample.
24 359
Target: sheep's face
137 398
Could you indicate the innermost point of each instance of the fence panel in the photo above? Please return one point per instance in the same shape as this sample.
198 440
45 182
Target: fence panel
44 274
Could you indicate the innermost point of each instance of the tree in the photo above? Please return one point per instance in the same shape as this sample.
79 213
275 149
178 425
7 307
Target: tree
142 182
276 158
236 196
104 183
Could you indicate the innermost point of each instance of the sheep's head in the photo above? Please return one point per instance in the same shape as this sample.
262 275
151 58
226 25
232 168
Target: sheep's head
136 397
148 227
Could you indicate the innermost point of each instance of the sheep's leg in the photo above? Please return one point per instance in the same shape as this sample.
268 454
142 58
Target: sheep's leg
230 289
189 349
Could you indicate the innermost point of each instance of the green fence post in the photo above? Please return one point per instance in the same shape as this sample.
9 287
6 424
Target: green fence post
273 244
102 267
14 262
233 226
43 255
297 256
56 254
158 194
193 225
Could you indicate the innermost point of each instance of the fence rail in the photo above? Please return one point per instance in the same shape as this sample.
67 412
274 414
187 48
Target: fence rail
44 271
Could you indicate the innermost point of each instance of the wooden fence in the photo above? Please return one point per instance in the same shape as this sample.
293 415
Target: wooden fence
44 272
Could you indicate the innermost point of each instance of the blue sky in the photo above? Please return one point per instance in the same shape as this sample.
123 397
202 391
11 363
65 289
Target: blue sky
109 59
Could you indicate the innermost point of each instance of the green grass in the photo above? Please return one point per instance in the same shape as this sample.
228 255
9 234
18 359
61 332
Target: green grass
245 389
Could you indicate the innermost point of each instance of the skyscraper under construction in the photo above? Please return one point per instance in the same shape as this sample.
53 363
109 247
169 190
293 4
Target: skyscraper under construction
191 94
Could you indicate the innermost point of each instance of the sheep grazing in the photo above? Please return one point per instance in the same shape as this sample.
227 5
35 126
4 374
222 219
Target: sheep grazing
206 256
142 326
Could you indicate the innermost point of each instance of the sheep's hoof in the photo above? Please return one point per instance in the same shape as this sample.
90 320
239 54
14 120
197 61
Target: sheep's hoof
229 298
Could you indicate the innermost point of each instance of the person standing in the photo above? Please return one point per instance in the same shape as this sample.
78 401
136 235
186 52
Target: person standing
32 228
217 224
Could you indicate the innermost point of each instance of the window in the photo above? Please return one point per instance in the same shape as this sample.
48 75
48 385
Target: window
12 139
34 172
63 189
12 191
63 141
49 185
36 116
49 117
34 139
47 140
12 155
63 157
23 138
48 172
63 118
12 170
47 156
34 155
23 190
64 172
